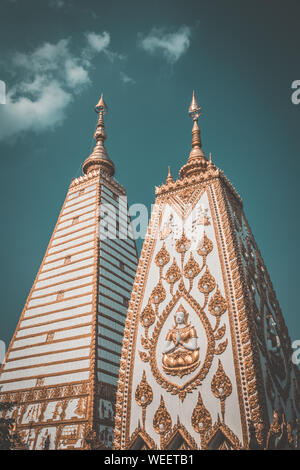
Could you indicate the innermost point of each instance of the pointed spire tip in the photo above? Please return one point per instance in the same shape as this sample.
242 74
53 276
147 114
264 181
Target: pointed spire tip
101 105
194 109
169 177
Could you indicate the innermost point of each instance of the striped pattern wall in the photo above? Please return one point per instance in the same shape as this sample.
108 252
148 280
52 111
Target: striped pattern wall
67 344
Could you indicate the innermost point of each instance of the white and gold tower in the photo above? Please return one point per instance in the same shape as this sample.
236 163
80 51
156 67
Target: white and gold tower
206 358
62 365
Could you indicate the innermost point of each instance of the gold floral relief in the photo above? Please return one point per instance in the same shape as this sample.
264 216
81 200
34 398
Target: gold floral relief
221 347
143 396
191 269
145 342
186 194
221 387
207 282
147 317
205 245
143 393
201 418
162 422
220 332
158 295
182 245
217 306
173 275
144 356
162 258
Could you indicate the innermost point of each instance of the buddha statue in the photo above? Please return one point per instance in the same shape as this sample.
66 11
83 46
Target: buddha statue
181 352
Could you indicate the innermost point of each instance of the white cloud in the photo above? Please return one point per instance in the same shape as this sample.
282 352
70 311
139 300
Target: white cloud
36 114
98 42
51 75
76 75
126 79
172 45
45 58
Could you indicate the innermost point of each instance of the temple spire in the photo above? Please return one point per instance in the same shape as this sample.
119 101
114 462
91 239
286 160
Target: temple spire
99 159
169 177
197 160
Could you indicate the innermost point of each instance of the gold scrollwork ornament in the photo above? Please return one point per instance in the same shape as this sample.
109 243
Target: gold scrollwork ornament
206 283
162 422
173 275
158 295
201 419
162 258
143 396
217 306
221 387
182 246
147 317
205 245
191 269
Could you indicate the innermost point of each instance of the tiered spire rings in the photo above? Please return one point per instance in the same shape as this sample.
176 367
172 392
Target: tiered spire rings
99 159
197 161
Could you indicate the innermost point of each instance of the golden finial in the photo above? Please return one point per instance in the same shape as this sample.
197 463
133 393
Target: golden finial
169 177
101 106
99 160
194 109
196 161
210 162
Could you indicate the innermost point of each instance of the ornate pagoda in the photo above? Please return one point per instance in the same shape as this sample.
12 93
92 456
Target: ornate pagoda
62 365
206 358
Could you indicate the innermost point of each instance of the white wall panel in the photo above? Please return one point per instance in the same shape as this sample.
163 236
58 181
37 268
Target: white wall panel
53 298
77 226
53 326
66 268
61 379
75 242
45 359
84 330
17 385
73 312
78 212
45 370
60 305
79 233
62 286
70 251
19 343
80 198
74 194
65 277
79 205
61 262
72 343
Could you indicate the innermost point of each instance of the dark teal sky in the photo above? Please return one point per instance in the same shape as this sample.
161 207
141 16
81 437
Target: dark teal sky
241 60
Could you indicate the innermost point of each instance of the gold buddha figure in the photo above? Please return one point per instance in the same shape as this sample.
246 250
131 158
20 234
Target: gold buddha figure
181 352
